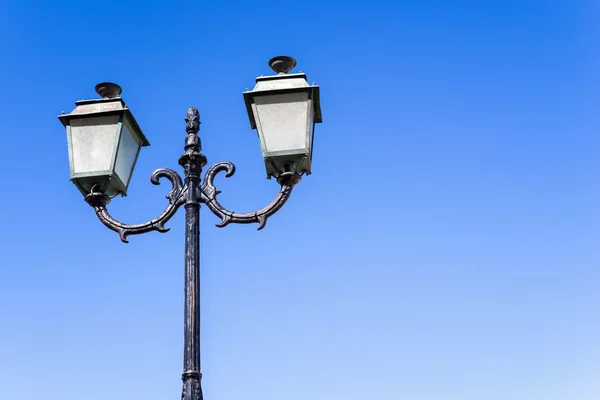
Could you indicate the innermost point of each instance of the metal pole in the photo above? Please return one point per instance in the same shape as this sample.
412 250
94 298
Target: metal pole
191 353
192 162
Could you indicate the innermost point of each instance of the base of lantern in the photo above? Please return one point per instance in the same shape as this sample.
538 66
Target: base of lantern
289 179
97 199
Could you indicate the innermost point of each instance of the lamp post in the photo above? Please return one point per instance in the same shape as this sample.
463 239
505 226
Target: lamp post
104 141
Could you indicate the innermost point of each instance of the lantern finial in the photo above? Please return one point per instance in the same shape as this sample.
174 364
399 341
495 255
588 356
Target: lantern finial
282 64
108 90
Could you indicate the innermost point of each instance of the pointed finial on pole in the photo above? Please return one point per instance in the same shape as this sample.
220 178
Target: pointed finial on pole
192 120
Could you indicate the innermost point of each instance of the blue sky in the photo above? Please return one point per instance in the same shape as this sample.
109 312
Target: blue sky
445 247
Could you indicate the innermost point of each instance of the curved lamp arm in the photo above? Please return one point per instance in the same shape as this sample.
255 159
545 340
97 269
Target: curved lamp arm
209 193
176 198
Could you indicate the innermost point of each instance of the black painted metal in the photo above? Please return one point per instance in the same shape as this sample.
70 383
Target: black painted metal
192 162
191 193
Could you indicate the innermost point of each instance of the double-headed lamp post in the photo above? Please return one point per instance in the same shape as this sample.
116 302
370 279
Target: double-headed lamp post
104 142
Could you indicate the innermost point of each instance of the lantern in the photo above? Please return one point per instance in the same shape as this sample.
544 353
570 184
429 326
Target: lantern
284 109
104 142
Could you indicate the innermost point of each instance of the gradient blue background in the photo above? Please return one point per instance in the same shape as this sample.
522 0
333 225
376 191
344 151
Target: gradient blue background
446 246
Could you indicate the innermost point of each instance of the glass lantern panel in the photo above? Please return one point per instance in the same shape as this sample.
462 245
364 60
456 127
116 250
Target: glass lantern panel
129 146
93 142
311 126
282 121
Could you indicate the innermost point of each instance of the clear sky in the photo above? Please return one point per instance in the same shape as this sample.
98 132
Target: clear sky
445 247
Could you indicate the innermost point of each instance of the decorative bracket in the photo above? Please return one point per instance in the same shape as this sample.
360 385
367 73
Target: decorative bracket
209 193
190 191
176 199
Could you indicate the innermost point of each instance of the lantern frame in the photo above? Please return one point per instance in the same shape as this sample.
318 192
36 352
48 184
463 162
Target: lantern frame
296 160
107 181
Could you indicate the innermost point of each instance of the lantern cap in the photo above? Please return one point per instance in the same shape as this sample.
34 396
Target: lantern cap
108 90
282 64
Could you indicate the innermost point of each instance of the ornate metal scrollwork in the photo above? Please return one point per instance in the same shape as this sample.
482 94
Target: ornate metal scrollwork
209 194
176 198
192 192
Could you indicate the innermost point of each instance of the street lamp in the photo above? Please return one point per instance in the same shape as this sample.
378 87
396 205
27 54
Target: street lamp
104 141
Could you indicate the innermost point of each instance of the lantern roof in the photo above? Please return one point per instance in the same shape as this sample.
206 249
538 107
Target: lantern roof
281 83
105 106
